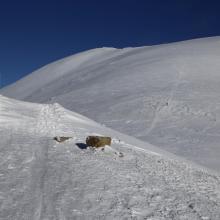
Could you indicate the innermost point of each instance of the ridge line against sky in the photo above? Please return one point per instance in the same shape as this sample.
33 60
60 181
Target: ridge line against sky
34 34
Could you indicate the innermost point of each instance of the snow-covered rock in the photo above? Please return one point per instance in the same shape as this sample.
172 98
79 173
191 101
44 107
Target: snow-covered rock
167 95
42 179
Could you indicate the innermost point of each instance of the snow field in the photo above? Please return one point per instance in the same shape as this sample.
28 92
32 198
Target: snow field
166 95
41 179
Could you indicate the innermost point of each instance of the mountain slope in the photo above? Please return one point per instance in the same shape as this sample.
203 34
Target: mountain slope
167 95
41 179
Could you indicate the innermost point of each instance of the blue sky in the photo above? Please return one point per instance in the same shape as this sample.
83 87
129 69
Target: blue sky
34 33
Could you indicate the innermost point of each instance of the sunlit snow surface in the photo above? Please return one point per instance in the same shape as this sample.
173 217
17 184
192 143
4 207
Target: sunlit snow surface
168 95
41 179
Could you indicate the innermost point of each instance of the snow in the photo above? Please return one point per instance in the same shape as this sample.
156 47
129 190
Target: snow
43 179
167 95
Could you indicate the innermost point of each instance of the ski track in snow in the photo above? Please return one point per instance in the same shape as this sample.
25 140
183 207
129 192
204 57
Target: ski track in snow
162 105
43 180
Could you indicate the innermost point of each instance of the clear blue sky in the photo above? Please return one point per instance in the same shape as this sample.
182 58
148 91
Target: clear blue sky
36 32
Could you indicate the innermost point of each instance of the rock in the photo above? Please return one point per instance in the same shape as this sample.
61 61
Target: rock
98 141
61 139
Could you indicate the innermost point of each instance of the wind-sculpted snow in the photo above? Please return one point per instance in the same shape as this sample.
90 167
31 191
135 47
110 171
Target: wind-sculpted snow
42 179
167 95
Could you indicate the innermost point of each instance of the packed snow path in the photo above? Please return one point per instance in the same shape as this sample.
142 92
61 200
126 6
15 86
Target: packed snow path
44 180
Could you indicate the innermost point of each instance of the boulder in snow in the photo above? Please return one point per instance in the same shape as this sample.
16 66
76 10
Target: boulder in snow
98 141
61 139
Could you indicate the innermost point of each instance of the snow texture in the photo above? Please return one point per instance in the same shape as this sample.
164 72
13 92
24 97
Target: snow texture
42 179
167 95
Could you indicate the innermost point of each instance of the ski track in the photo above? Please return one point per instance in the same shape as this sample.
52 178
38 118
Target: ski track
43 180
160 107
164 105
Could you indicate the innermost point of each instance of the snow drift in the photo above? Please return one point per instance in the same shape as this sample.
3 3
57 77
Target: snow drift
167 95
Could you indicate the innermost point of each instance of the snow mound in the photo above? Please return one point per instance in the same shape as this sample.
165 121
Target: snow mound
43 179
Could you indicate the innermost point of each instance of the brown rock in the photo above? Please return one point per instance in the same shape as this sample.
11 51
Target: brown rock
98 141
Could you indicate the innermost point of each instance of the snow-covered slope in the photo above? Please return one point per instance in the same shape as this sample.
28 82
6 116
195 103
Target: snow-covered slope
41 179
167 95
